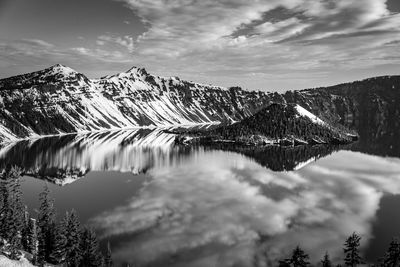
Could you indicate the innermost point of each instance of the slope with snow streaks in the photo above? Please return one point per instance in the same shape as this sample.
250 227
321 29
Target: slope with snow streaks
60 100
305 113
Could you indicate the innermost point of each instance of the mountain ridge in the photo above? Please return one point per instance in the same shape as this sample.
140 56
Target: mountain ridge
60 100
32 105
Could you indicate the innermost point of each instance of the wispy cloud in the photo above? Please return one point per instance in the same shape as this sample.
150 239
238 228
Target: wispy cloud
289 44
315 36
124 41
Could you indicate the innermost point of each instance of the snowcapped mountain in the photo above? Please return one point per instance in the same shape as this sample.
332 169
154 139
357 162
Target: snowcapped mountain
60 100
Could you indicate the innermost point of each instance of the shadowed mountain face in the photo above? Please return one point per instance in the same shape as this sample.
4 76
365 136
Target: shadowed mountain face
371 107
64 159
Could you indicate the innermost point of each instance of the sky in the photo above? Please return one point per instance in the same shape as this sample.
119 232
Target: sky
268 45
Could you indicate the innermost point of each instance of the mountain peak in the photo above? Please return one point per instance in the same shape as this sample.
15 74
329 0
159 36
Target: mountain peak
138 70
58 66
62 69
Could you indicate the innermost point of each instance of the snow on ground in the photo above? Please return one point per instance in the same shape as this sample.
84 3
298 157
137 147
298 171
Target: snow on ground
305 113
6 262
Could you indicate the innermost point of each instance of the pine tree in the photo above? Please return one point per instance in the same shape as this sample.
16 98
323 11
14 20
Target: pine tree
11 213
108 257
32 240
73 237
326 262
298 259
46 223
392 256
6 210
58 255
41 252
25 230
351 250
18 206
91 257
14 243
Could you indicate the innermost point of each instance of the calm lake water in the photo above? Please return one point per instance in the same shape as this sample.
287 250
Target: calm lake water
163 205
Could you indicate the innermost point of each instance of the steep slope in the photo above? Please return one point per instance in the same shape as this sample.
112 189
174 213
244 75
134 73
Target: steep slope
371 107
61 100
278 123
56 100
170 101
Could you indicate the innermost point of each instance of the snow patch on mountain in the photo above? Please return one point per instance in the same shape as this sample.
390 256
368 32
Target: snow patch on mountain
62 70
305 113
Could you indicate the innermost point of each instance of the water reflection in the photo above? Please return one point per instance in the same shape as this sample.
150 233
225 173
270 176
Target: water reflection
281 158
379 131
63 159
215 206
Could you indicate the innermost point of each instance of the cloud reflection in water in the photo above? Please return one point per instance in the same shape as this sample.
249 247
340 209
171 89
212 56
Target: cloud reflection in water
210 210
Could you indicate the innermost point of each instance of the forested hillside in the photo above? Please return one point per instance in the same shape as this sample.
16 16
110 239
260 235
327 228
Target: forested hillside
279 123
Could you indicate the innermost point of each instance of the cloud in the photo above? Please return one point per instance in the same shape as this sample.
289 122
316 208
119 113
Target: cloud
124 41
206 24
211 209
289 44
276 37
101 55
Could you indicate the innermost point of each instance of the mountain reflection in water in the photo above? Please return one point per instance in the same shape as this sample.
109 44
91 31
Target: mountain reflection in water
214 206
62 159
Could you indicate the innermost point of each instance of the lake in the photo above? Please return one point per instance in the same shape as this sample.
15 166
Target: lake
164 205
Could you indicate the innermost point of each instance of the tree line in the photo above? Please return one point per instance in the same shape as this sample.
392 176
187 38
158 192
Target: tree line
47 240
352 256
